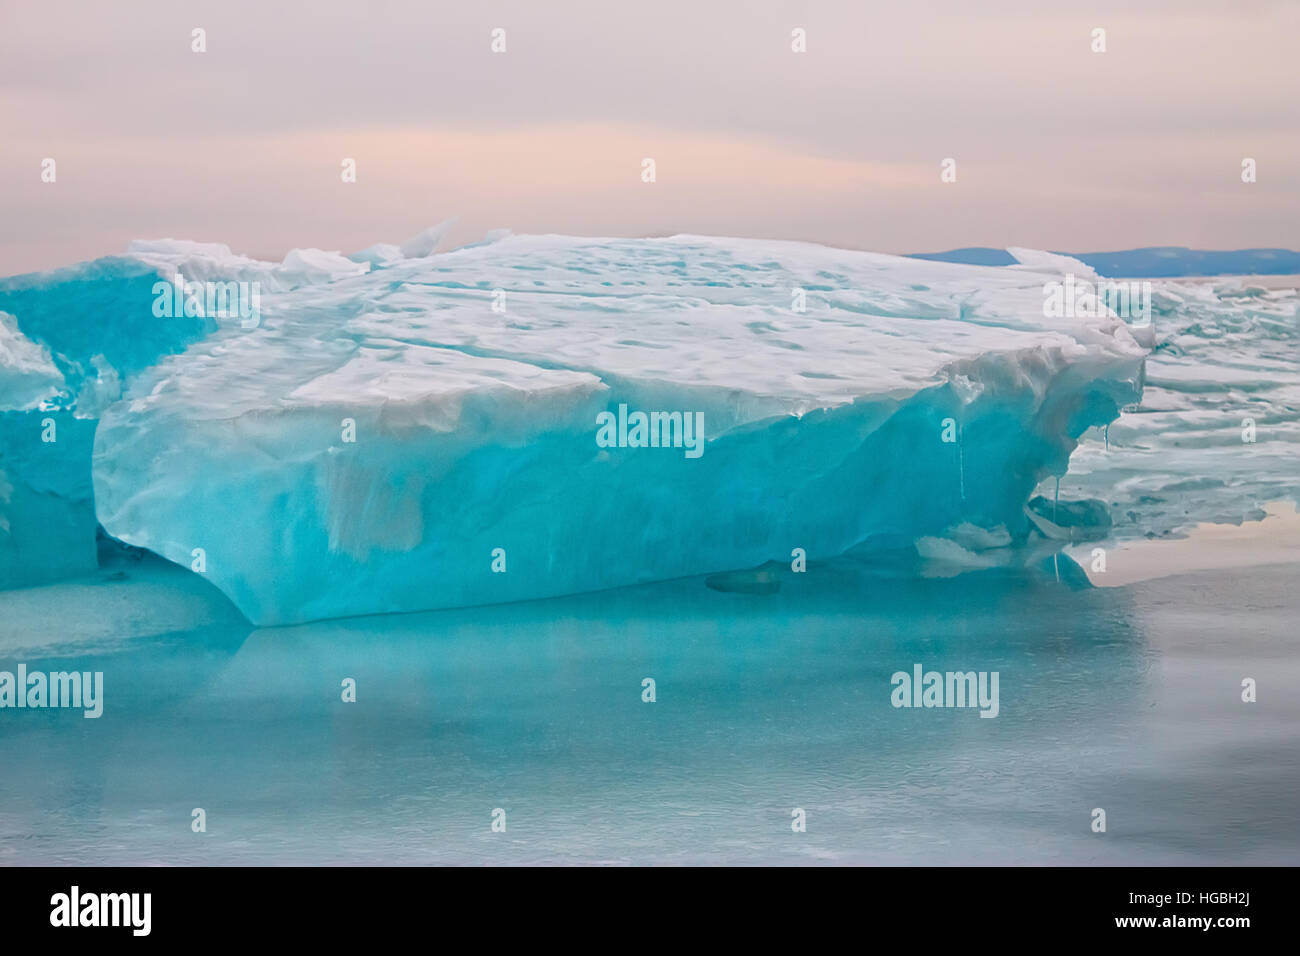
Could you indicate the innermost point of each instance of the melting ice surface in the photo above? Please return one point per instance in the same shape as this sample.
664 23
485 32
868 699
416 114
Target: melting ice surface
908 404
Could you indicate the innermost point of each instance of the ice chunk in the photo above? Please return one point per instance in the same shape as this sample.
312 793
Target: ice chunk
417 247
302 266
47 518
28 376
102 308
379 256
1040 261
203 261
383 254
47 514
414 439
43 511
70 341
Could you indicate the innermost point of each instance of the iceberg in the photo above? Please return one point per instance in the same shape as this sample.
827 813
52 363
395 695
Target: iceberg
70 341
408 430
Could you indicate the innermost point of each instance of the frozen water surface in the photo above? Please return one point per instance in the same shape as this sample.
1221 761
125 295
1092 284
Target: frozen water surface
1122 698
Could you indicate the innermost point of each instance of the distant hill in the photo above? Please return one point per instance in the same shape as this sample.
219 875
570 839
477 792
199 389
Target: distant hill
1153 262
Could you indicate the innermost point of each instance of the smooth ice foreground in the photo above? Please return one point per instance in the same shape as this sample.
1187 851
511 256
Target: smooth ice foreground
476 416
1121 698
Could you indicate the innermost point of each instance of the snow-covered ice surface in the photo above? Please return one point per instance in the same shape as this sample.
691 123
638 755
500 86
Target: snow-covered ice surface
1217 434
472 381
476 428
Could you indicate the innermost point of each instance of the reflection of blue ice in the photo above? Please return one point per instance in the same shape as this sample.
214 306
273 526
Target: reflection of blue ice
765 702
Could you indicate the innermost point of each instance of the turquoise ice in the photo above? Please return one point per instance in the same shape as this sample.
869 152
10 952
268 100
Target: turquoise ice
404 429
425 434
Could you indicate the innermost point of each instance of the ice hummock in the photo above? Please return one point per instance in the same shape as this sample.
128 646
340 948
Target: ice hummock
473 383
1217 438
70 341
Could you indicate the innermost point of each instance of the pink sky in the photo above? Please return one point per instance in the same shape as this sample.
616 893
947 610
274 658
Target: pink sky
1056 146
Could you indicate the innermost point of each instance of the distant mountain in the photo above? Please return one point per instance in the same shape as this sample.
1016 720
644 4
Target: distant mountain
1153 262
972 256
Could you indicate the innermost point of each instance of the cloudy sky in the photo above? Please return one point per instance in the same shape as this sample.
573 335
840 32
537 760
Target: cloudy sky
1056 146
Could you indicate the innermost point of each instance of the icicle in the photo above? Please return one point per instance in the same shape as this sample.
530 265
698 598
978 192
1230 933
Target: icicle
961 468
